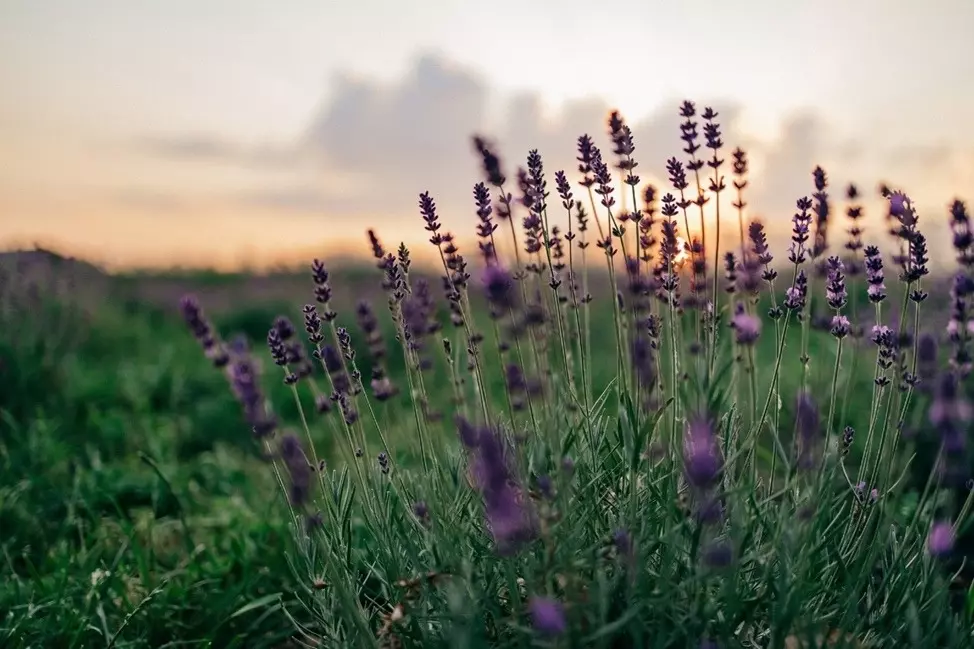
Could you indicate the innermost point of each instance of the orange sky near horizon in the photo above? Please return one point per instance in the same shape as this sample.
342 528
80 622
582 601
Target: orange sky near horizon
226 134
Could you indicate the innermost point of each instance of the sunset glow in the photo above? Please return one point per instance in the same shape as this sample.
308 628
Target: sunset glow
176 133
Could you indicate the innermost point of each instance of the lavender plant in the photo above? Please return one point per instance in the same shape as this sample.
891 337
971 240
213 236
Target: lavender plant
711 493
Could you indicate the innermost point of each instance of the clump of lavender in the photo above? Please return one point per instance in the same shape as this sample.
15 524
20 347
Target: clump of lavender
509 516
666 424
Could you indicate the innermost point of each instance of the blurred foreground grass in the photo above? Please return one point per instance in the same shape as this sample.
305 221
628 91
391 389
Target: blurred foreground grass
135 510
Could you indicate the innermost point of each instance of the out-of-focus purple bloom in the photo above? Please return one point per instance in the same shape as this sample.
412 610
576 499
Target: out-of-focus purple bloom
807 423
702 459
568 465
193 314
245 383
642 360
335 367
759 243
709 509
547 616
746 326
718 554
940 540
950 413
622 541
499 286
509 517
491 163
821 212
298 469
926 358
545 487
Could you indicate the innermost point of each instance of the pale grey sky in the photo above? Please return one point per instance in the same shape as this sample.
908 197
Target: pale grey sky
142 132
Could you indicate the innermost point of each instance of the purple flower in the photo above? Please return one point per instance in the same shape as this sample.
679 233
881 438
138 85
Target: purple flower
499 286
545 486
848 435
798 252
874 275
702 459
927 357
547 616
509 517
807 423
797 295
323 292
491 163
709 509
746 326
568 465
759 241
940 541
642 360
897 204
276 346
203 331
622 541
840 326
298 469
835 290
950 412
718 554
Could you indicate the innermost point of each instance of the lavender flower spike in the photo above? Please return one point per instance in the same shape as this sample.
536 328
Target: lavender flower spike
807 423
874 275
509 517
746 326
835 289
940 541
702 459
547 616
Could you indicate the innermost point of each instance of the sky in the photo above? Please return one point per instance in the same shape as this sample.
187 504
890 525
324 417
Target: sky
221 133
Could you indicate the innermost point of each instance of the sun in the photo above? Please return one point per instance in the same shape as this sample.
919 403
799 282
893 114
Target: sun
682 256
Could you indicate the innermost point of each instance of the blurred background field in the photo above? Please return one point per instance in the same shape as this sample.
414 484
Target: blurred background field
133 502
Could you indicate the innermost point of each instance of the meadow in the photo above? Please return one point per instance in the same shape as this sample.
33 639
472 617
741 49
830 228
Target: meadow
600 434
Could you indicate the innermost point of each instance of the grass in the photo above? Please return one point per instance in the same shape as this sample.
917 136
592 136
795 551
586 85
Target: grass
138 511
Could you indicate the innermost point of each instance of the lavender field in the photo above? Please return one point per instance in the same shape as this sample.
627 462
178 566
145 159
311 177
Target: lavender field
586 428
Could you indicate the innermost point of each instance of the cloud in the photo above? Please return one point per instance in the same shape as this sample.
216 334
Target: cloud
299 198
150 201
208 148
414 135
373 146
200 147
